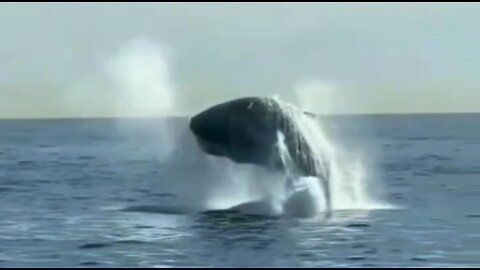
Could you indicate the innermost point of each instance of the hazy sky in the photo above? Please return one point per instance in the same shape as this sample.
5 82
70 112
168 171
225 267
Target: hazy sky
364 58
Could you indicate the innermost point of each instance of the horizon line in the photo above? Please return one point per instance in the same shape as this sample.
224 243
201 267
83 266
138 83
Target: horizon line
186 116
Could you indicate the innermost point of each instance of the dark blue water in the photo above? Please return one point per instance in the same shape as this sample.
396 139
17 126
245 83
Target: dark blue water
87 193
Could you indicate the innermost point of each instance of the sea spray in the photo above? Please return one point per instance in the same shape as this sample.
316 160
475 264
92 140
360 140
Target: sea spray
140 76
140 73
352 174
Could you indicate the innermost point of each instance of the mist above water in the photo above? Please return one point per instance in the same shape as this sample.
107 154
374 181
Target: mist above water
139 73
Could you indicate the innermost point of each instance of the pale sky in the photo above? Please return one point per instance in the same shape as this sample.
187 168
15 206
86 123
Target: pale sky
378 58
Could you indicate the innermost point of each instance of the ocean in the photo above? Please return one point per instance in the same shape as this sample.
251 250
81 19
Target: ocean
100 193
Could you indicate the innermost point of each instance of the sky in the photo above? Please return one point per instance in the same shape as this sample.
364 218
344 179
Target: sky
74 59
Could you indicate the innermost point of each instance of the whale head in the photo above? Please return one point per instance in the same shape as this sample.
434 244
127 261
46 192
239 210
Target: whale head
243 130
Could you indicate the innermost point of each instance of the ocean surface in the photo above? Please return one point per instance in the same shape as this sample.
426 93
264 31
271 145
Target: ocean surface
99 193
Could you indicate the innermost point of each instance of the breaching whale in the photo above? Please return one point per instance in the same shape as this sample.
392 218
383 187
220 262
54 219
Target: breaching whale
245 130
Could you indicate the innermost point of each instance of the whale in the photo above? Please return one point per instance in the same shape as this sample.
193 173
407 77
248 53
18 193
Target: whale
246 130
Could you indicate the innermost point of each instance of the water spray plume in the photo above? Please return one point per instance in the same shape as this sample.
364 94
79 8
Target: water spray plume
140 75
142 87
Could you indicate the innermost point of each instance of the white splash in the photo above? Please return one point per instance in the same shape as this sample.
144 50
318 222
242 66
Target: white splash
220 183
217 183
352 178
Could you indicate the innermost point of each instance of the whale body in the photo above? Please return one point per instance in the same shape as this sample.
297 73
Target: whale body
245 130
